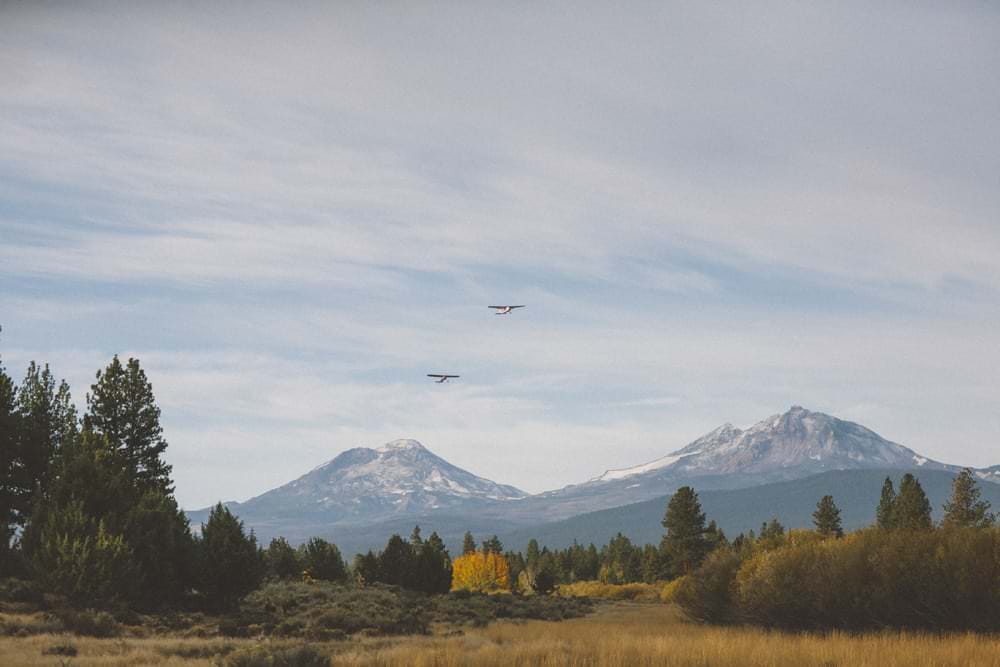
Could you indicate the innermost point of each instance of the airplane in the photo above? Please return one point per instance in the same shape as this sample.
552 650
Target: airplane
441 378
503 310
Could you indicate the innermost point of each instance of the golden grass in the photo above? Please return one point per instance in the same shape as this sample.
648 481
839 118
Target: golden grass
618 634
629 634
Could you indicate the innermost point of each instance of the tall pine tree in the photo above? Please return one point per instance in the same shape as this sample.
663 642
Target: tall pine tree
121 407
965 509
885 514
48 424
11 489
468 544
826 518
685 543
912 510
230 565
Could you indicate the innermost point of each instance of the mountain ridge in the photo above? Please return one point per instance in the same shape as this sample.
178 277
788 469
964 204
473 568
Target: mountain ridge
402 480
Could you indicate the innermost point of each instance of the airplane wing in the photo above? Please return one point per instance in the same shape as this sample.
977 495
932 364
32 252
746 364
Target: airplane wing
517 306
497 307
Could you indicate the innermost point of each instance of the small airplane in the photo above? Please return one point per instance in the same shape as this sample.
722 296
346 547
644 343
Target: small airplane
441 378
503 310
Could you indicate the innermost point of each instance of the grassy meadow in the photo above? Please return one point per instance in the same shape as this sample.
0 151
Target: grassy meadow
618 633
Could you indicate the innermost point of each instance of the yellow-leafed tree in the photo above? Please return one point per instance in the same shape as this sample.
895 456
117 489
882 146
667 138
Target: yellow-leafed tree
480 572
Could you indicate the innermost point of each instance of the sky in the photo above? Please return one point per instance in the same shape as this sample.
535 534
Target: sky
713 211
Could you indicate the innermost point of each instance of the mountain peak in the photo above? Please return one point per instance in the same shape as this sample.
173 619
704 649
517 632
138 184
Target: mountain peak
403 444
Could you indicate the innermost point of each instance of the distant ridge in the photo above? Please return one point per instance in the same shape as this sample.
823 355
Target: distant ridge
365 492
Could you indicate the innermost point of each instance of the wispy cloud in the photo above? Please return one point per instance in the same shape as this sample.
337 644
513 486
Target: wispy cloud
713 213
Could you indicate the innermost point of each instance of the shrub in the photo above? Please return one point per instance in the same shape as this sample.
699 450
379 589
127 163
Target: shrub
89 623
707 594
596 589
61 649
325 610
20 590
260 656
669 591
930 580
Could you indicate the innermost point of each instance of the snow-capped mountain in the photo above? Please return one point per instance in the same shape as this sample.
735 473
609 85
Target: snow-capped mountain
793 445
362 485
799 440
364 495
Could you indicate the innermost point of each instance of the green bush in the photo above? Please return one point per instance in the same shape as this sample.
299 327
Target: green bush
64 648
707 594
260 656
320 609
20 590
89 623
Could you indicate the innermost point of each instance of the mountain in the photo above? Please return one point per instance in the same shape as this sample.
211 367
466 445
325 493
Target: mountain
363 486
796 444
364 495
856 493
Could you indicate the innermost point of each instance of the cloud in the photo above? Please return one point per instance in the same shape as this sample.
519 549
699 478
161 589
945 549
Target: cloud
713 213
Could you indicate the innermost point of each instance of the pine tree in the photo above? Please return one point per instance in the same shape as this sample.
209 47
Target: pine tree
415 538
121 407
230 565
282 561
493 545
396 563
74 540
965 509
11 489
48 422
323 560
468 544
433 566
685 543
531 558
912 510
885 514
826 518
366 568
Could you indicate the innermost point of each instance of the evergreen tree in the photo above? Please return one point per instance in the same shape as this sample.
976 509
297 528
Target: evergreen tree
282 561
229 564
396 562
826 518
965 509
163 549
48 422
546 575
433 566
366 568
468 544
685 543
885 514
716 538
74 540
121 407
531 559
415 538
11 490
912 510
493 545
323 560
651 566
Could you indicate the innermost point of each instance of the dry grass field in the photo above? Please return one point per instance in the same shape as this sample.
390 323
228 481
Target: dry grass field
618 634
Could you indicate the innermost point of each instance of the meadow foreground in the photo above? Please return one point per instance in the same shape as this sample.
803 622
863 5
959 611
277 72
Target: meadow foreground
617 634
